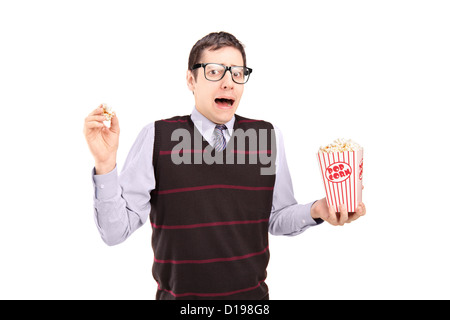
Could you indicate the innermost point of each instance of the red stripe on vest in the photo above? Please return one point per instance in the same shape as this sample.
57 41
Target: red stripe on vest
245 256
214 186
208 224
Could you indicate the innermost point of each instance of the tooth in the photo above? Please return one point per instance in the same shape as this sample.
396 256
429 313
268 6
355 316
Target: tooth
229 104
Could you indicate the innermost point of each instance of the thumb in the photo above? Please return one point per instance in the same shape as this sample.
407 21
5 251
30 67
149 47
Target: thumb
115 124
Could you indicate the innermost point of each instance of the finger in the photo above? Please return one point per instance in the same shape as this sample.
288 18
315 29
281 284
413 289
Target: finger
344 214
94 125
332 217
98 118
97 111
360 211
114 124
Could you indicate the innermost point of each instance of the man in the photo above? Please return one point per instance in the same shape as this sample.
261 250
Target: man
210 216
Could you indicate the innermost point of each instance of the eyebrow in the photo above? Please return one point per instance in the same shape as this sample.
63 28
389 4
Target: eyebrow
233 65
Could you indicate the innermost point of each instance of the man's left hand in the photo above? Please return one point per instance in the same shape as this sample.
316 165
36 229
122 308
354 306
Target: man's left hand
321 210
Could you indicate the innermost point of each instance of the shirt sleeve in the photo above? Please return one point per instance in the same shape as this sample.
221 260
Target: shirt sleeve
287 217
122 202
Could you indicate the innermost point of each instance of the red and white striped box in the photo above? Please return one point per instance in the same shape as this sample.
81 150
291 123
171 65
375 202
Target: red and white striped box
342 177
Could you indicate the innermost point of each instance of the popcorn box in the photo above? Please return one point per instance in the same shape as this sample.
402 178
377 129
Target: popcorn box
342 177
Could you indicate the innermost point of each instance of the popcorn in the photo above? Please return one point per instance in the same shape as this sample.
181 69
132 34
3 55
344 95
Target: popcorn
341 145
108 112
341 166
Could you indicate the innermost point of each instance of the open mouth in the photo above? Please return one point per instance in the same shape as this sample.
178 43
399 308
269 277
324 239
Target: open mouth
224 103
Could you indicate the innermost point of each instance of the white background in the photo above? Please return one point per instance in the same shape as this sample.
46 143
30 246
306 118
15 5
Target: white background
374 71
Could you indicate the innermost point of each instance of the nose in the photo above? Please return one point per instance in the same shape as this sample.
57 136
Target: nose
227 81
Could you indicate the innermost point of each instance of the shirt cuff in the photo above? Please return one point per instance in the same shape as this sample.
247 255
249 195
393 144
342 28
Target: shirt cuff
317 220
106 185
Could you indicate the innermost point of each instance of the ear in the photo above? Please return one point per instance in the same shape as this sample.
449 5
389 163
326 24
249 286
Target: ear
190 80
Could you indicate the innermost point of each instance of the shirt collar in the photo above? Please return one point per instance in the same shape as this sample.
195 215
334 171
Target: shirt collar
206 126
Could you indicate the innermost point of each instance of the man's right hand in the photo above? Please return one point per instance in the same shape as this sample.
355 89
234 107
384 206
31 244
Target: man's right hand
103 142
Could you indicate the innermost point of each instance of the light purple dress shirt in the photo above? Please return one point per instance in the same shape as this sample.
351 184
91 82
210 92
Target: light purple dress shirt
122 202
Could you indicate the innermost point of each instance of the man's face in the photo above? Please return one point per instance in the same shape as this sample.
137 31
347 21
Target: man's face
212 99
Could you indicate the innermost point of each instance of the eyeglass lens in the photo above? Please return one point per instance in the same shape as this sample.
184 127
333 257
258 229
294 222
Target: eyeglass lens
215 72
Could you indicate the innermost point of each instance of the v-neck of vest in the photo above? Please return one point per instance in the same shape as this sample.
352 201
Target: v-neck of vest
191 123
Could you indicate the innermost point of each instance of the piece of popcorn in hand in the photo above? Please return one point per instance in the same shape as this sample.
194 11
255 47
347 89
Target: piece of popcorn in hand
108 112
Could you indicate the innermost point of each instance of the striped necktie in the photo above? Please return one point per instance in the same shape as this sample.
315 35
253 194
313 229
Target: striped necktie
219 138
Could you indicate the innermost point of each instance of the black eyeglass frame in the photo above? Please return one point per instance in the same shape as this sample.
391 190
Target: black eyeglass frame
247 71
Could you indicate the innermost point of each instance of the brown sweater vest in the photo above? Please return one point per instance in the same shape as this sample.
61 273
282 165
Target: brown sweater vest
210 221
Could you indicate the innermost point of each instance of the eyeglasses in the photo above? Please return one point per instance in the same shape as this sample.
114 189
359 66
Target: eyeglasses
215 72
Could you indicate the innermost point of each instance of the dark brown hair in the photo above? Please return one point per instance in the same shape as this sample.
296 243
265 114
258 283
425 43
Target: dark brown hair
214 41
